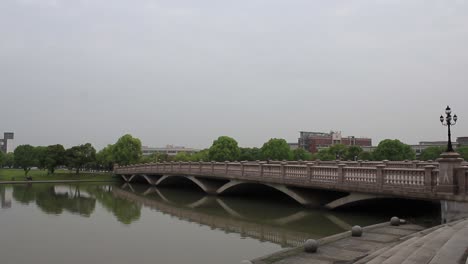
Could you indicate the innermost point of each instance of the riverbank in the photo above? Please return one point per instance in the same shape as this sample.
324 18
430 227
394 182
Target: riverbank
17 176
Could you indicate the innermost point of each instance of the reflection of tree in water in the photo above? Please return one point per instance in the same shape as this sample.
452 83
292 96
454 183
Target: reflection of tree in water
24 194
51 202
124 210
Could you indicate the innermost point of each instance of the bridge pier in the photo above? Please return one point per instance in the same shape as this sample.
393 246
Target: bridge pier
453 210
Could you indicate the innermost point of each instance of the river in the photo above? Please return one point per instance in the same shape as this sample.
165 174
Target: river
115 223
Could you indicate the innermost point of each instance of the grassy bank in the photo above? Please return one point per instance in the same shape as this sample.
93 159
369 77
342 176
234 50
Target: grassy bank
41 175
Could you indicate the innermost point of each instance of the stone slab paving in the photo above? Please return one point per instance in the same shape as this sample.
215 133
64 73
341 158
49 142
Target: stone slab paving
385 244
344 248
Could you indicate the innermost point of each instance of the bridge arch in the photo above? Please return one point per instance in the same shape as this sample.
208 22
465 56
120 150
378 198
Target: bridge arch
204 185
295 195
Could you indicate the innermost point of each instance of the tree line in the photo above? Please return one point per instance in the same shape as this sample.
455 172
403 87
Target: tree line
226 149
127 150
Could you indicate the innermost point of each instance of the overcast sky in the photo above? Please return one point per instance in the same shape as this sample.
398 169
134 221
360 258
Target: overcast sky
185 72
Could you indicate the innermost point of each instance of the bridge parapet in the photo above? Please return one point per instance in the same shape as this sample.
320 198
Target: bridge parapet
413 179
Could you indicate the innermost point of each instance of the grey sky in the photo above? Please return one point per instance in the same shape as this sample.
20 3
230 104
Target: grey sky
186 72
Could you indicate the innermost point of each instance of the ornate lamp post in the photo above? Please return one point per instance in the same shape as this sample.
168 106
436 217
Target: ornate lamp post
449 121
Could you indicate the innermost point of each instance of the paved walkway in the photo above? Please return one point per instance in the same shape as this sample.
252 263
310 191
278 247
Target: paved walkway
385 244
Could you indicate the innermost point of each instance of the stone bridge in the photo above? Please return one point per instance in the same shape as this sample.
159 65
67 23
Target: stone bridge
312 184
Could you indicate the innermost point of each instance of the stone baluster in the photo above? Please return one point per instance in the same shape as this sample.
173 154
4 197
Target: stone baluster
359 163
380 175
317 162
341 173
212 167
200 166
189 167
226 164
429 182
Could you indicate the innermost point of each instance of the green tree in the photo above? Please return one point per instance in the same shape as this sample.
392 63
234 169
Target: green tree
9 160
104 158
276 149
389 149
366 156
78 156
127 150
339 150
25 157
325 154
2 159
224 149
463 152
41 155
301 154
431 153
55 156
182 156
250 154
202 155
353 152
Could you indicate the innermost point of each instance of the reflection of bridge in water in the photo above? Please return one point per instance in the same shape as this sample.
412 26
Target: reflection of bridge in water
278 230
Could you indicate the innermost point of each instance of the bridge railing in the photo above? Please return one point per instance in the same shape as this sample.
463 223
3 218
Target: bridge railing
384 177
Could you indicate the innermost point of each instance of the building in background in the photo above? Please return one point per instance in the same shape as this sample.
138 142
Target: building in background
461 142
7 144
315 141
169 150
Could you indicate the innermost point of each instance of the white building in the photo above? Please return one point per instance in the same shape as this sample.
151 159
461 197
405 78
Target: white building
170 150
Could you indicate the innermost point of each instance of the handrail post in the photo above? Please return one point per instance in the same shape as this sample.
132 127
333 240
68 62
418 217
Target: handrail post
261 164
189 167
448 163
242 168
212 167
309 170
380 175
341 173
385 162
359 163
461 173
415 163
283 170
226 164
429 183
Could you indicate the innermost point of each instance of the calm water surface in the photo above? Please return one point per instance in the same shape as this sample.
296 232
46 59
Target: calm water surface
96 223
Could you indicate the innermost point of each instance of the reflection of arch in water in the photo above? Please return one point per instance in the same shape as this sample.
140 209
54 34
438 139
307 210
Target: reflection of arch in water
207 200
277 235
235 221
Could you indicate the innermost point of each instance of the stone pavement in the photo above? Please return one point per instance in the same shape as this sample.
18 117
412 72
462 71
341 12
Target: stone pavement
385 244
